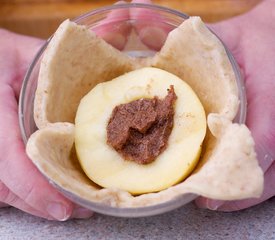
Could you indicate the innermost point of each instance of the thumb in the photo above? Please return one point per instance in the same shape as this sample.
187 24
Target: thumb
115 28
229 32
150 26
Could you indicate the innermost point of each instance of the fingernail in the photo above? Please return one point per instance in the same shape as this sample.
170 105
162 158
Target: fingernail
214 204
117 40
81 212
142 1
207 203
58 211
120 2
153 36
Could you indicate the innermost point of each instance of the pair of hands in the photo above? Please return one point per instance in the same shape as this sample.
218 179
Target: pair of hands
250 37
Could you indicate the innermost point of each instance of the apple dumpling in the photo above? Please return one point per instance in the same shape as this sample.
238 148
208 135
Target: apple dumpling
139 127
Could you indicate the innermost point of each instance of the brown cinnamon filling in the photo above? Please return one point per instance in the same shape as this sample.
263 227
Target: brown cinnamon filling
139 130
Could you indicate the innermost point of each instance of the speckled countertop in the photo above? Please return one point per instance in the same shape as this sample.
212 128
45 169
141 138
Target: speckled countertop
187 222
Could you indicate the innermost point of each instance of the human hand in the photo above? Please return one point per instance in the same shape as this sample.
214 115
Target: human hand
250 38
21 184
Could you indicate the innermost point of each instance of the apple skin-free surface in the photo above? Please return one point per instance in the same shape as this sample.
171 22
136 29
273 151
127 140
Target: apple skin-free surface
104 166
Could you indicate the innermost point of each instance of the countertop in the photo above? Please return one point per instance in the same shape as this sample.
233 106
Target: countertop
187 222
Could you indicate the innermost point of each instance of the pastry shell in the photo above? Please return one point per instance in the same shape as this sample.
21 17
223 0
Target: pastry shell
76 60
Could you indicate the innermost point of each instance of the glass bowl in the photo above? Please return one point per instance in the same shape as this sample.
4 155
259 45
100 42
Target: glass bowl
95 19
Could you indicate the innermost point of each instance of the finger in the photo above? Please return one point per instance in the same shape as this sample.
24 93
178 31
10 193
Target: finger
2 205
211 204
229 31
17 171
261 119
81 212
150 26
115 28
142 1
260 86
10 199
259 68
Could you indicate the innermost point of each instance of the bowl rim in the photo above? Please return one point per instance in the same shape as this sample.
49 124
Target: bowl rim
130 5
107 209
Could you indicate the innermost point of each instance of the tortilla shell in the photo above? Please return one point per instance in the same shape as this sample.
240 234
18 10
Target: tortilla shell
73 63
228 169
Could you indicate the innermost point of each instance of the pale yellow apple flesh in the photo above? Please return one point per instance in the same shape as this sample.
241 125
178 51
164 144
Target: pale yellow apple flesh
104 166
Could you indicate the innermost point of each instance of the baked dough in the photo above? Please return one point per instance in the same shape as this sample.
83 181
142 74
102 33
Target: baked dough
228 169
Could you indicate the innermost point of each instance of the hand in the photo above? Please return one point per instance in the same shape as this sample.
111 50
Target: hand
21 185
250 38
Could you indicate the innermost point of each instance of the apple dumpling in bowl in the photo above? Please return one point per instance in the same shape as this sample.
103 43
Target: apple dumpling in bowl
124 132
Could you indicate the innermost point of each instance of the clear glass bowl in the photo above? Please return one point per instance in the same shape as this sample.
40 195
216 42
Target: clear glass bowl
170 19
